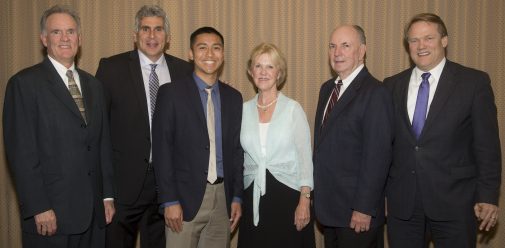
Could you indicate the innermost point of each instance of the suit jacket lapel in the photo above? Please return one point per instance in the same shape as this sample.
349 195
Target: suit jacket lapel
195 101
343 101
59 88
404 82
225 110
138 84
445 87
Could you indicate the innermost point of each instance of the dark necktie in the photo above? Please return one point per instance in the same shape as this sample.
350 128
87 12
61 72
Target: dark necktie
333 99
154 85
421 105
76 94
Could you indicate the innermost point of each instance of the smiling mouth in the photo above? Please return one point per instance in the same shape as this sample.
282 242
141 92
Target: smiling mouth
424 53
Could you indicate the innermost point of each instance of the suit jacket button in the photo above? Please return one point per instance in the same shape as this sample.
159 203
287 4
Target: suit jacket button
83 125
89 148
146 160
89 173
413 172
416 148
206 147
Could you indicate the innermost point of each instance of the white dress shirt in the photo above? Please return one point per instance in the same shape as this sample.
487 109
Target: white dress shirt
161 71
62 71
345 83
415 82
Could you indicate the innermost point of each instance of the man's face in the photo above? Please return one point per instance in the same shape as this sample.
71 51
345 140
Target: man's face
152 38
346 52
426 45
61 38
208 54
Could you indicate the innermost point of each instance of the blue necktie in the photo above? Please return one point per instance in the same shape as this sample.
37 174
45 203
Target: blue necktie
421 105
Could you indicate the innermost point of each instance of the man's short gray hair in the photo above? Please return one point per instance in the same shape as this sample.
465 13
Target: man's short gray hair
59 9
150 11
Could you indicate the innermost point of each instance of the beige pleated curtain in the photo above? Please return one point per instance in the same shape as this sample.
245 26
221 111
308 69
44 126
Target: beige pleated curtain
299 28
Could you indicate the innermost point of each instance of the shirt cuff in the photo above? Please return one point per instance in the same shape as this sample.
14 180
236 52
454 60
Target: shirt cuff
168 204
108 199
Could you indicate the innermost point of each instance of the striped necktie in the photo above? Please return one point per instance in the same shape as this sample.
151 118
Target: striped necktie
154 85
76 94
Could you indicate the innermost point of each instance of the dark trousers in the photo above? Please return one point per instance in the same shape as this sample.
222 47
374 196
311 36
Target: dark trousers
94 237
417 231
344 237
142 216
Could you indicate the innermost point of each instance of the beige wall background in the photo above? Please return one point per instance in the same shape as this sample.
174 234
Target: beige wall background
301 30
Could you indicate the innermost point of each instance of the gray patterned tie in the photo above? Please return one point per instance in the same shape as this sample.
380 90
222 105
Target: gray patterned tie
76 94
154 85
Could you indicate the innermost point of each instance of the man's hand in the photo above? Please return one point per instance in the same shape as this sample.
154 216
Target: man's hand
236 213
46 223
360 222
173 218
109 210
487 214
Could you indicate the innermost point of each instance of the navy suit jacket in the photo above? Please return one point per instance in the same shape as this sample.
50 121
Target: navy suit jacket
456 162
181 145
352 153
126 103
58 160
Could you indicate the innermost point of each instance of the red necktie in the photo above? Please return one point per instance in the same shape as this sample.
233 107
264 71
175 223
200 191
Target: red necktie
333 99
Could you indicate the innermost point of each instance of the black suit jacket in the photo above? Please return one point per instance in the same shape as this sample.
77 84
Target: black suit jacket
57 160
352 153
456 161
126 102
181 145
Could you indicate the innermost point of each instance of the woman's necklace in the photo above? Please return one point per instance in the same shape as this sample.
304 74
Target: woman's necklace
265 107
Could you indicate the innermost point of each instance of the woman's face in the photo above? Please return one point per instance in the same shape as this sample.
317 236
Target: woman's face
265 73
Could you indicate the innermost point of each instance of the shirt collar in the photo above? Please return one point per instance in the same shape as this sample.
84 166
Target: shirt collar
348 80
435 72
202 85
60 68
146 62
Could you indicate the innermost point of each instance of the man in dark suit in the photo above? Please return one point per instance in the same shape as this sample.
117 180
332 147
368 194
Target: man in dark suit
196 150
352 146
446 167
56 137
131 81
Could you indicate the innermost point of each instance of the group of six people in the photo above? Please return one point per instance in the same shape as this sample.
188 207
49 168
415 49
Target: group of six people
97 160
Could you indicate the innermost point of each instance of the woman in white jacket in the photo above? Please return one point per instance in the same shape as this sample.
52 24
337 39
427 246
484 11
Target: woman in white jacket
278 179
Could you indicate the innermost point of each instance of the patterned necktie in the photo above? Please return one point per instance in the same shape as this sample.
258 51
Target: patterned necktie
154 85
421 105
76 94
212 175
333 99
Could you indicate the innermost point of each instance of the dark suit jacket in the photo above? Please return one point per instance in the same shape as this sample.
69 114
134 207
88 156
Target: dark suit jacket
129 118
352 153
181 145
456 161
57 160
